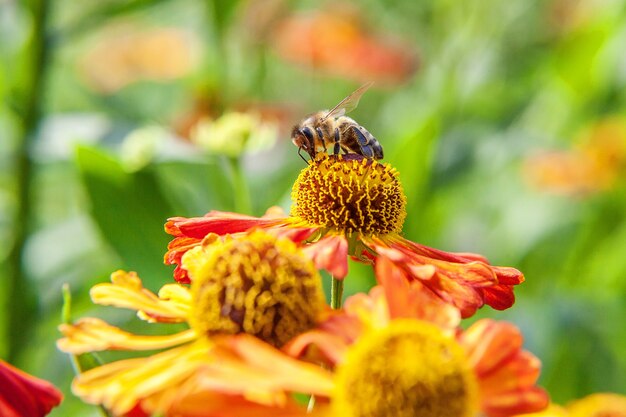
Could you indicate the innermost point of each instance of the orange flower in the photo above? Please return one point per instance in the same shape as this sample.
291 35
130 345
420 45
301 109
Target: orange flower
404 322
398 352
337 43
594 165
125 55
356 207
23 395
249 296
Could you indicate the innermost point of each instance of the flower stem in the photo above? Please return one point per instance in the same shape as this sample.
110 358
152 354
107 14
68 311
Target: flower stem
336 292
240 186
21 297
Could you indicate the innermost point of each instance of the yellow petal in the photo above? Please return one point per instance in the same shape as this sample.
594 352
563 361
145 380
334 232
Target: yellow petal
120 385
92 334
126 291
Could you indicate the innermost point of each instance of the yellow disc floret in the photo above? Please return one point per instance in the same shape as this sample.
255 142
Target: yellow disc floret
255 284
408 369
350 195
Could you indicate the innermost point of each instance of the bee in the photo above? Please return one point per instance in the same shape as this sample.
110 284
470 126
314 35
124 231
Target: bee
332 128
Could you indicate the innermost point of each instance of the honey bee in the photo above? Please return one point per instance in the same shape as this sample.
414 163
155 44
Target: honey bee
332 128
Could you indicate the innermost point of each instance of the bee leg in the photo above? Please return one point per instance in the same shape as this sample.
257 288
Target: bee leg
300 155
336 147
320 135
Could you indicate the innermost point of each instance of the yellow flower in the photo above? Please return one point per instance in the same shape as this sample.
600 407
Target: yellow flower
249 296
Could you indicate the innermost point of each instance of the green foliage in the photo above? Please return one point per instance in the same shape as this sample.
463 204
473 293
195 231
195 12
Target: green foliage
129 209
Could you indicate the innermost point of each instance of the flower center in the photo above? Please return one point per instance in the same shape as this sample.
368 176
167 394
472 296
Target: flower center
256 284
408 369
350 195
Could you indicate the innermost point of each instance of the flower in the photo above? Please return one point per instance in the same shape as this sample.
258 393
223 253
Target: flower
23 395
350 206
124 55
337 43
594 165
400 336
398 352
249 295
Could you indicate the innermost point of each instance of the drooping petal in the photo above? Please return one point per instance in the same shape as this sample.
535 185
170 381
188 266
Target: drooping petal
127 291
330 253
466 281
92 334
23 395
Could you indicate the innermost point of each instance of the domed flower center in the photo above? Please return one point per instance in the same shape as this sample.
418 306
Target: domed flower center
409 369
350 195
256 284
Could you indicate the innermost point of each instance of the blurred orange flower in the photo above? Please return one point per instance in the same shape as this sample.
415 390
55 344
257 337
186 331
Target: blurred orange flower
336 43
351 207
125 55
23 395
595 165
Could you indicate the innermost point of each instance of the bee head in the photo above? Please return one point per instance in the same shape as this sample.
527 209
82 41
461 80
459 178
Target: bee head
302 137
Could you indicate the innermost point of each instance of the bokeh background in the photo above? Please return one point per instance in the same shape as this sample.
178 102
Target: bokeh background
506 120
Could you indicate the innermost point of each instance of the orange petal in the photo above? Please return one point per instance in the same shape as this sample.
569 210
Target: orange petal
332 346
520 372
489 343
92 334
413 299
330 253
516 402
204 404
291 374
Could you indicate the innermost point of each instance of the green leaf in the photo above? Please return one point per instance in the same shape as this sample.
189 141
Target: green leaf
130 211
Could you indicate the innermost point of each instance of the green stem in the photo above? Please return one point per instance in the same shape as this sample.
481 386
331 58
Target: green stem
240 186
21 295
336 292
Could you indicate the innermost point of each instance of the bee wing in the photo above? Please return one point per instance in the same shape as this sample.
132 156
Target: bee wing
349 103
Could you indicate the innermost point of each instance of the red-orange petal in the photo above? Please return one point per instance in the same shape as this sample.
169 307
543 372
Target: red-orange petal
464 280
23 395
189 232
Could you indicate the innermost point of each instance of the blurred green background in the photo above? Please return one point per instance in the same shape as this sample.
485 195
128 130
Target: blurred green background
506 120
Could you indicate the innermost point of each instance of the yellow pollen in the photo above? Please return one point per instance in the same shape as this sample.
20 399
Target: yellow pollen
350 195
408 369
255 284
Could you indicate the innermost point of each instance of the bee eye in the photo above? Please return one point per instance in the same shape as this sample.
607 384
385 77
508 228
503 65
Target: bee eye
307 133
